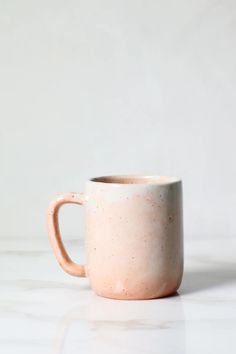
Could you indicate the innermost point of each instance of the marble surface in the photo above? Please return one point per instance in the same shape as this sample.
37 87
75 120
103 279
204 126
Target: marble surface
43 310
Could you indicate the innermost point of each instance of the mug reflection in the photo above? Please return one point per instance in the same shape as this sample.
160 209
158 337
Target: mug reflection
108 326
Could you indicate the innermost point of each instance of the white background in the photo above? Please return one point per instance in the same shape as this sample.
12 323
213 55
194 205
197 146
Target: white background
102 87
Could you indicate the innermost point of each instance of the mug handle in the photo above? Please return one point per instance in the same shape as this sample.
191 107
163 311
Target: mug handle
54 232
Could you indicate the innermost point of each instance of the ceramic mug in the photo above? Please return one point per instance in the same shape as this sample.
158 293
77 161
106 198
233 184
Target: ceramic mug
133 238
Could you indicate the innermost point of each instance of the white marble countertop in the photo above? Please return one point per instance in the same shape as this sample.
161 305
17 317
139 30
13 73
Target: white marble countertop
43 310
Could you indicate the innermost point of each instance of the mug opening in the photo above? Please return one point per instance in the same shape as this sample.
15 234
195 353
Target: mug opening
134 179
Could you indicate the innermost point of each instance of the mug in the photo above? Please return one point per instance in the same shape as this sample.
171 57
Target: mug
133 236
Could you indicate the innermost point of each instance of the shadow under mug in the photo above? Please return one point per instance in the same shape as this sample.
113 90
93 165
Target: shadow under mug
133 235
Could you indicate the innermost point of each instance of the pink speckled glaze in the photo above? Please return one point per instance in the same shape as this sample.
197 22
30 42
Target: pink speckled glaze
134 236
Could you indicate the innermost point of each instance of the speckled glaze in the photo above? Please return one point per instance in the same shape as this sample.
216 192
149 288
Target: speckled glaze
134 236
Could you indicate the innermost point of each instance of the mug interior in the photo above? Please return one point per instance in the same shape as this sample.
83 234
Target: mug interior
132 179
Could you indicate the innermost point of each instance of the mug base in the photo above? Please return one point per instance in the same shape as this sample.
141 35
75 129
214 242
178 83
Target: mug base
133 297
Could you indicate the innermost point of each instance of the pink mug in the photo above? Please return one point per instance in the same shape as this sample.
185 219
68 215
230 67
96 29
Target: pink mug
134 236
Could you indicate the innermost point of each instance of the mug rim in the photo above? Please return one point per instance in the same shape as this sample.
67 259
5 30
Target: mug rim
141 180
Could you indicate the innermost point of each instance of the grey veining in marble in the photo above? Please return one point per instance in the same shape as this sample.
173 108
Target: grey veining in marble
43 310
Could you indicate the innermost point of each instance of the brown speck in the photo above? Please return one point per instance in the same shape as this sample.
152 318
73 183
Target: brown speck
170 218
133 257
94 248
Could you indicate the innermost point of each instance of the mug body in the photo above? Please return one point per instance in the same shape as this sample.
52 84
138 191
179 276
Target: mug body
134 236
